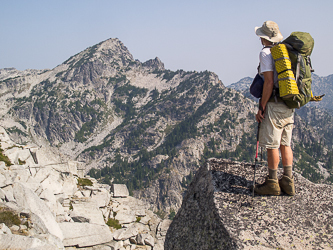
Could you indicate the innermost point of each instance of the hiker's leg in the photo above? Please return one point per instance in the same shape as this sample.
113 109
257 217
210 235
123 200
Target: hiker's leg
287 183
271 184
287 160
273 159
286 155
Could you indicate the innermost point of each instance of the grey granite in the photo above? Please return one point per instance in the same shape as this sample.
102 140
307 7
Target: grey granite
219 212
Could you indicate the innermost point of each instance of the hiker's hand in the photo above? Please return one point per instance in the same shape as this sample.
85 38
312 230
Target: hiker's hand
260 115
317 98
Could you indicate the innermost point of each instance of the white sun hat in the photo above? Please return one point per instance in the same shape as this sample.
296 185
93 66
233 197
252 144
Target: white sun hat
269 31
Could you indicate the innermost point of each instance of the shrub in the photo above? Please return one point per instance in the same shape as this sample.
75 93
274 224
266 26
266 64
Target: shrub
84 182
5 158
9 218
21 162
113 223
172 214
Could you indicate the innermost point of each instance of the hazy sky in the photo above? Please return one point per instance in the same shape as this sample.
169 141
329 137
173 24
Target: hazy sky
191 35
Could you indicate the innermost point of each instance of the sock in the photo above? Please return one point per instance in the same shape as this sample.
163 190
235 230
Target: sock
287 170
272 173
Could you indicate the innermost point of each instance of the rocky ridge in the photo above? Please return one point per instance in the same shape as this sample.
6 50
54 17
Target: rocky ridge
219 212
47 203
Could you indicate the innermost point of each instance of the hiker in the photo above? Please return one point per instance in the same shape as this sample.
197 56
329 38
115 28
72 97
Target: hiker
275 118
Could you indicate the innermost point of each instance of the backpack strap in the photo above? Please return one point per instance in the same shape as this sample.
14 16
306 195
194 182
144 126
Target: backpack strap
308 60
298 67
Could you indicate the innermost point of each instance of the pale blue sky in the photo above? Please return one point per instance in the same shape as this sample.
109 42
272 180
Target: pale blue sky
191 35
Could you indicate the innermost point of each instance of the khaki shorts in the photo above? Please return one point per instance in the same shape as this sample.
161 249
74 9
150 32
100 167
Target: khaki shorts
276 128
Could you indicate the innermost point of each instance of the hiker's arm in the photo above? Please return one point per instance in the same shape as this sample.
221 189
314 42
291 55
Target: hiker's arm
266 93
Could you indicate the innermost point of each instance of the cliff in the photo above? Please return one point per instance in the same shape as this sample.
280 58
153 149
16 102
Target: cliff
219 212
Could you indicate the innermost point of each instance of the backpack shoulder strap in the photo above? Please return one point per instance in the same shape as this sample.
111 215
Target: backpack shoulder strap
298 67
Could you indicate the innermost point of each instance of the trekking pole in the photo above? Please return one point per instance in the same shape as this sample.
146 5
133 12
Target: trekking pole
256 160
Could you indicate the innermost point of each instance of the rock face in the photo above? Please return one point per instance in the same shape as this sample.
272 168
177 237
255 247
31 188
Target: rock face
219 212
46 204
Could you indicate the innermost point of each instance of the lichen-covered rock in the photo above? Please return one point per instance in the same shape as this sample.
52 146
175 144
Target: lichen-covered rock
219 212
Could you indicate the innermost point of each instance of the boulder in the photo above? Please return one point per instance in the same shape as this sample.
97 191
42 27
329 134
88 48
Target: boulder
51 201
88 210
7 177
126 233
101 197
140 238
85 234
2 194
69 184
149 240
117 233
106 212
9 196
141 228
163 227
4 229
130 203
50 180
115 245
27 199
125 217
13 241
154 222
122 208
49 238
120 190
20 173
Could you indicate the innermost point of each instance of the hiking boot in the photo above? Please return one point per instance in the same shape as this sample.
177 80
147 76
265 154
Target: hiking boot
287 185
269 187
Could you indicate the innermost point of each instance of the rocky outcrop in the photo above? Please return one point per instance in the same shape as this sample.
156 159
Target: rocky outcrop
219 212
46 204
154 64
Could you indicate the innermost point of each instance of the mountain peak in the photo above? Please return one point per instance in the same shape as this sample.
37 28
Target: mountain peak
110 51
154 63
114 45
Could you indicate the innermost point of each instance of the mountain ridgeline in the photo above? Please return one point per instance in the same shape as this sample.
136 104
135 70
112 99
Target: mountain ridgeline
143 125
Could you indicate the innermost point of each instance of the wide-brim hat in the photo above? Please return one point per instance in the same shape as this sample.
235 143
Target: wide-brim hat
269 31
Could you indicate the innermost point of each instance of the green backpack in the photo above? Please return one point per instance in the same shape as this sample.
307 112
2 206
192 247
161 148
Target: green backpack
300 46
